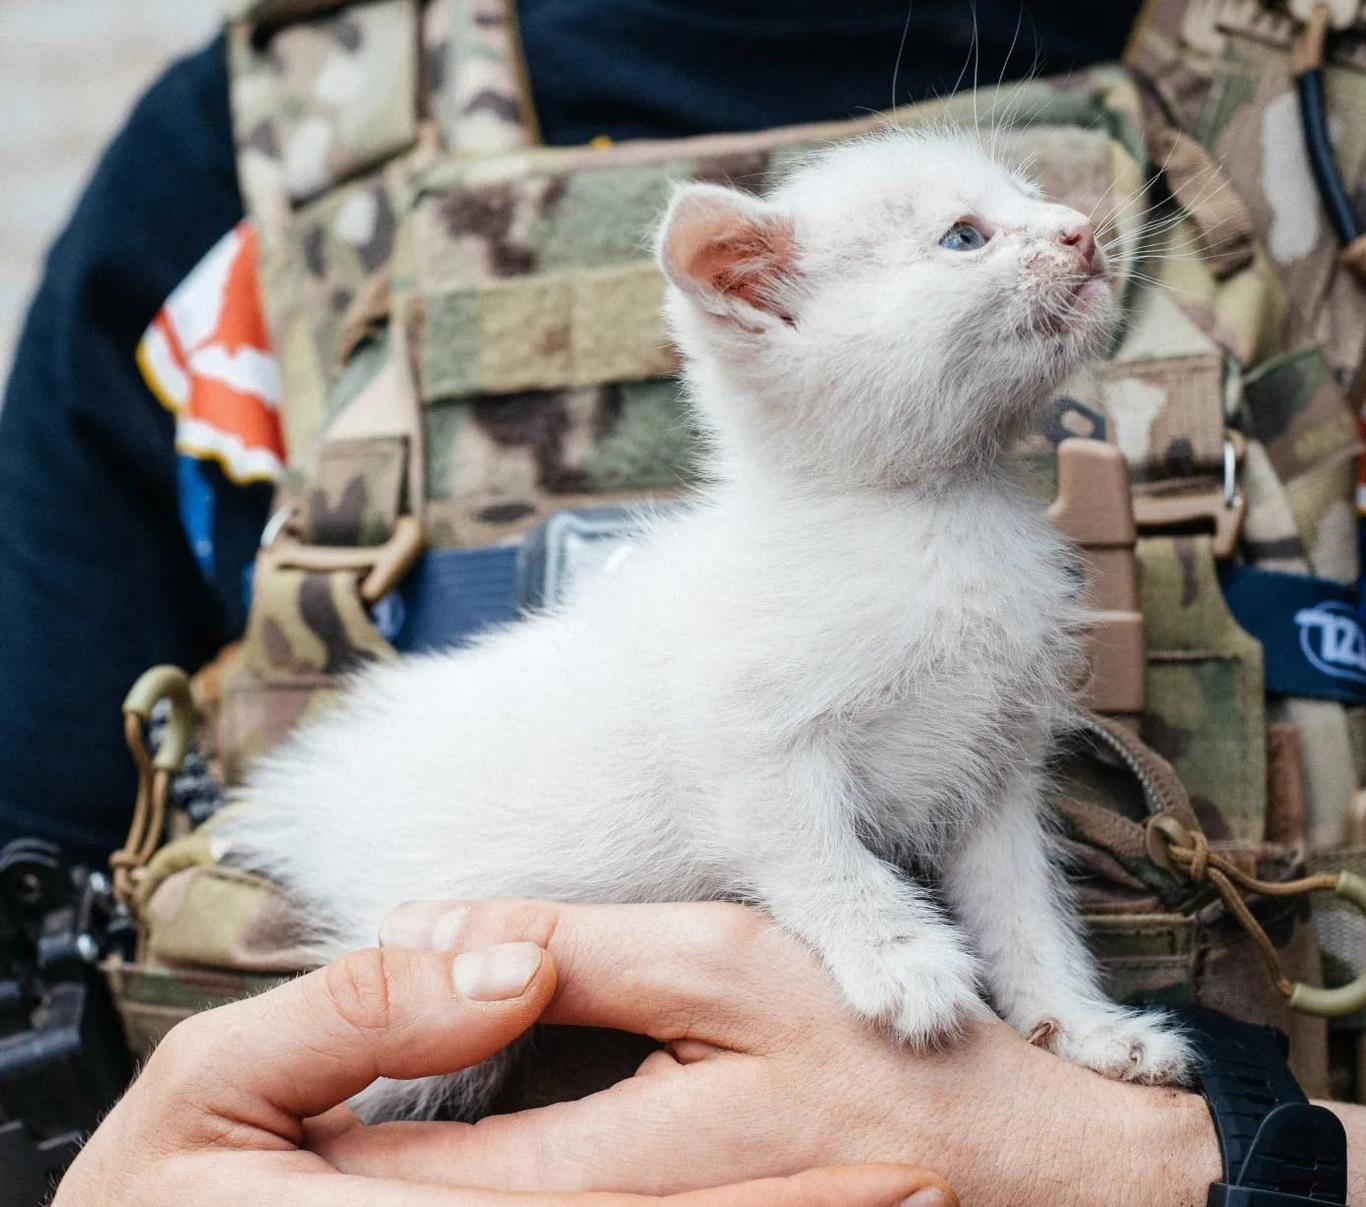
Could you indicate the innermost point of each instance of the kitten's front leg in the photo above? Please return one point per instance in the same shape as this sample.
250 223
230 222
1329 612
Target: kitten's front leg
1011 897
894 954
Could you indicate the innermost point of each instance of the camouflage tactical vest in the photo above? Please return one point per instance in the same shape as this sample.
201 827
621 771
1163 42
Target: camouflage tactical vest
470 340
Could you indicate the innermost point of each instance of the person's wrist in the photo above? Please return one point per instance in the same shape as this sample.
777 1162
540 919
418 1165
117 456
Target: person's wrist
1051 1132
1142 1145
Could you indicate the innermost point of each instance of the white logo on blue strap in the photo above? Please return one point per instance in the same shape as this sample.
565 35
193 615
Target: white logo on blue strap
1332 640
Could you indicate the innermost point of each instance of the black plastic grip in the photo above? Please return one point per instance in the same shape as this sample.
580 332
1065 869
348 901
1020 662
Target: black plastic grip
1278 1149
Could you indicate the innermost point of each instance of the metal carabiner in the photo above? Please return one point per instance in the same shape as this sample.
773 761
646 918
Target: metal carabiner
148 825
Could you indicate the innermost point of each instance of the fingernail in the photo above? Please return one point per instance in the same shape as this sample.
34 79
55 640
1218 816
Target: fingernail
496 973
422 926
930 1196
446 929
408 925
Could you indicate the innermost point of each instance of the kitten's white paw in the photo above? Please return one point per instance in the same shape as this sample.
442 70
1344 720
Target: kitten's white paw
1117 1044
926 992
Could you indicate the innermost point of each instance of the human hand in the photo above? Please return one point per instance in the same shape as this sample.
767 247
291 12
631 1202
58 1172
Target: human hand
766 1072
221 1113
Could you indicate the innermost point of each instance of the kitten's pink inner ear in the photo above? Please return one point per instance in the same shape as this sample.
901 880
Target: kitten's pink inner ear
722 250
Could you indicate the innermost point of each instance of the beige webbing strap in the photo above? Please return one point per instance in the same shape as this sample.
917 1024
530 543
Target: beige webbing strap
356 493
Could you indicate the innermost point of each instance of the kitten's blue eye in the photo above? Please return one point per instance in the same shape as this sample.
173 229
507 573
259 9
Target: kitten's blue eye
963 236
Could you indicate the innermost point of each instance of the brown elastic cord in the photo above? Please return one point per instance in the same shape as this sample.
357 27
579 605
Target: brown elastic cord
1201 864
149 814
1306 52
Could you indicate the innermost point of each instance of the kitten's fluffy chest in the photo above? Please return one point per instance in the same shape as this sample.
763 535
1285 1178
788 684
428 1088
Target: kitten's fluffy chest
883 598
928 642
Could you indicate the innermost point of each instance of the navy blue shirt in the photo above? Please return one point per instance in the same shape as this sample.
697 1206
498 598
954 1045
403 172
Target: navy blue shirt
97 578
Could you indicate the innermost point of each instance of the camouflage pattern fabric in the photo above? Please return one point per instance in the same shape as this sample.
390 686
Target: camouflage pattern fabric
250 926
476 109
332 115
1206 713
1222 69
516 278
1296 526
329 97
244 913
1223 227
151 998
305 631
357 491
1227 79
508 286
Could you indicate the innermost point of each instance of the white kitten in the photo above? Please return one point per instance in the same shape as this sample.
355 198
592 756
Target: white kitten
850 655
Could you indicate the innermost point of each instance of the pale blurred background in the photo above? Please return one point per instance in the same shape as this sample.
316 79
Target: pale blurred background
69 72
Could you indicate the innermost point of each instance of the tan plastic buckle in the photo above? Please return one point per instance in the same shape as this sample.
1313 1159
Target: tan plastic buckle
1094 509
384 566
1218 511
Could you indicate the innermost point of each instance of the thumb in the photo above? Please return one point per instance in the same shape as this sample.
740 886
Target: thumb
303 1047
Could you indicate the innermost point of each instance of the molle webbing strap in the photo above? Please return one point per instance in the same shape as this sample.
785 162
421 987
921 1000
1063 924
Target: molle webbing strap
356 493
585 327
486 105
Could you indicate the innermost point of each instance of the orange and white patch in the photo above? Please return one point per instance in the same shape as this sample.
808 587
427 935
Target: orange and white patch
207 357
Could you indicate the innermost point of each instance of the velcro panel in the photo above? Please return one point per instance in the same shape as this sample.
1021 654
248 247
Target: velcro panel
553 331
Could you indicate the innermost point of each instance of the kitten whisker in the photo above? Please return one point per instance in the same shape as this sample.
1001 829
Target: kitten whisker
901 48
1145 188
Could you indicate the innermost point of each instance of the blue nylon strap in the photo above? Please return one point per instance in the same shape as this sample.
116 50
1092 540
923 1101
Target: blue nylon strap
454 594
1313 640
1310 630
450 596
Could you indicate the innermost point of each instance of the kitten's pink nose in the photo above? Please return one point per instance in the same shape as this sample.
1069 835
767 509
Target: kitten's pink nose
1083 238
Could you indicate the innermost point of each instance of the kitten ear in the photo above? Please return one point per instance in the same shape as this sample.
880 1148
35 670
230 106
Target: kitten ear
731 253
